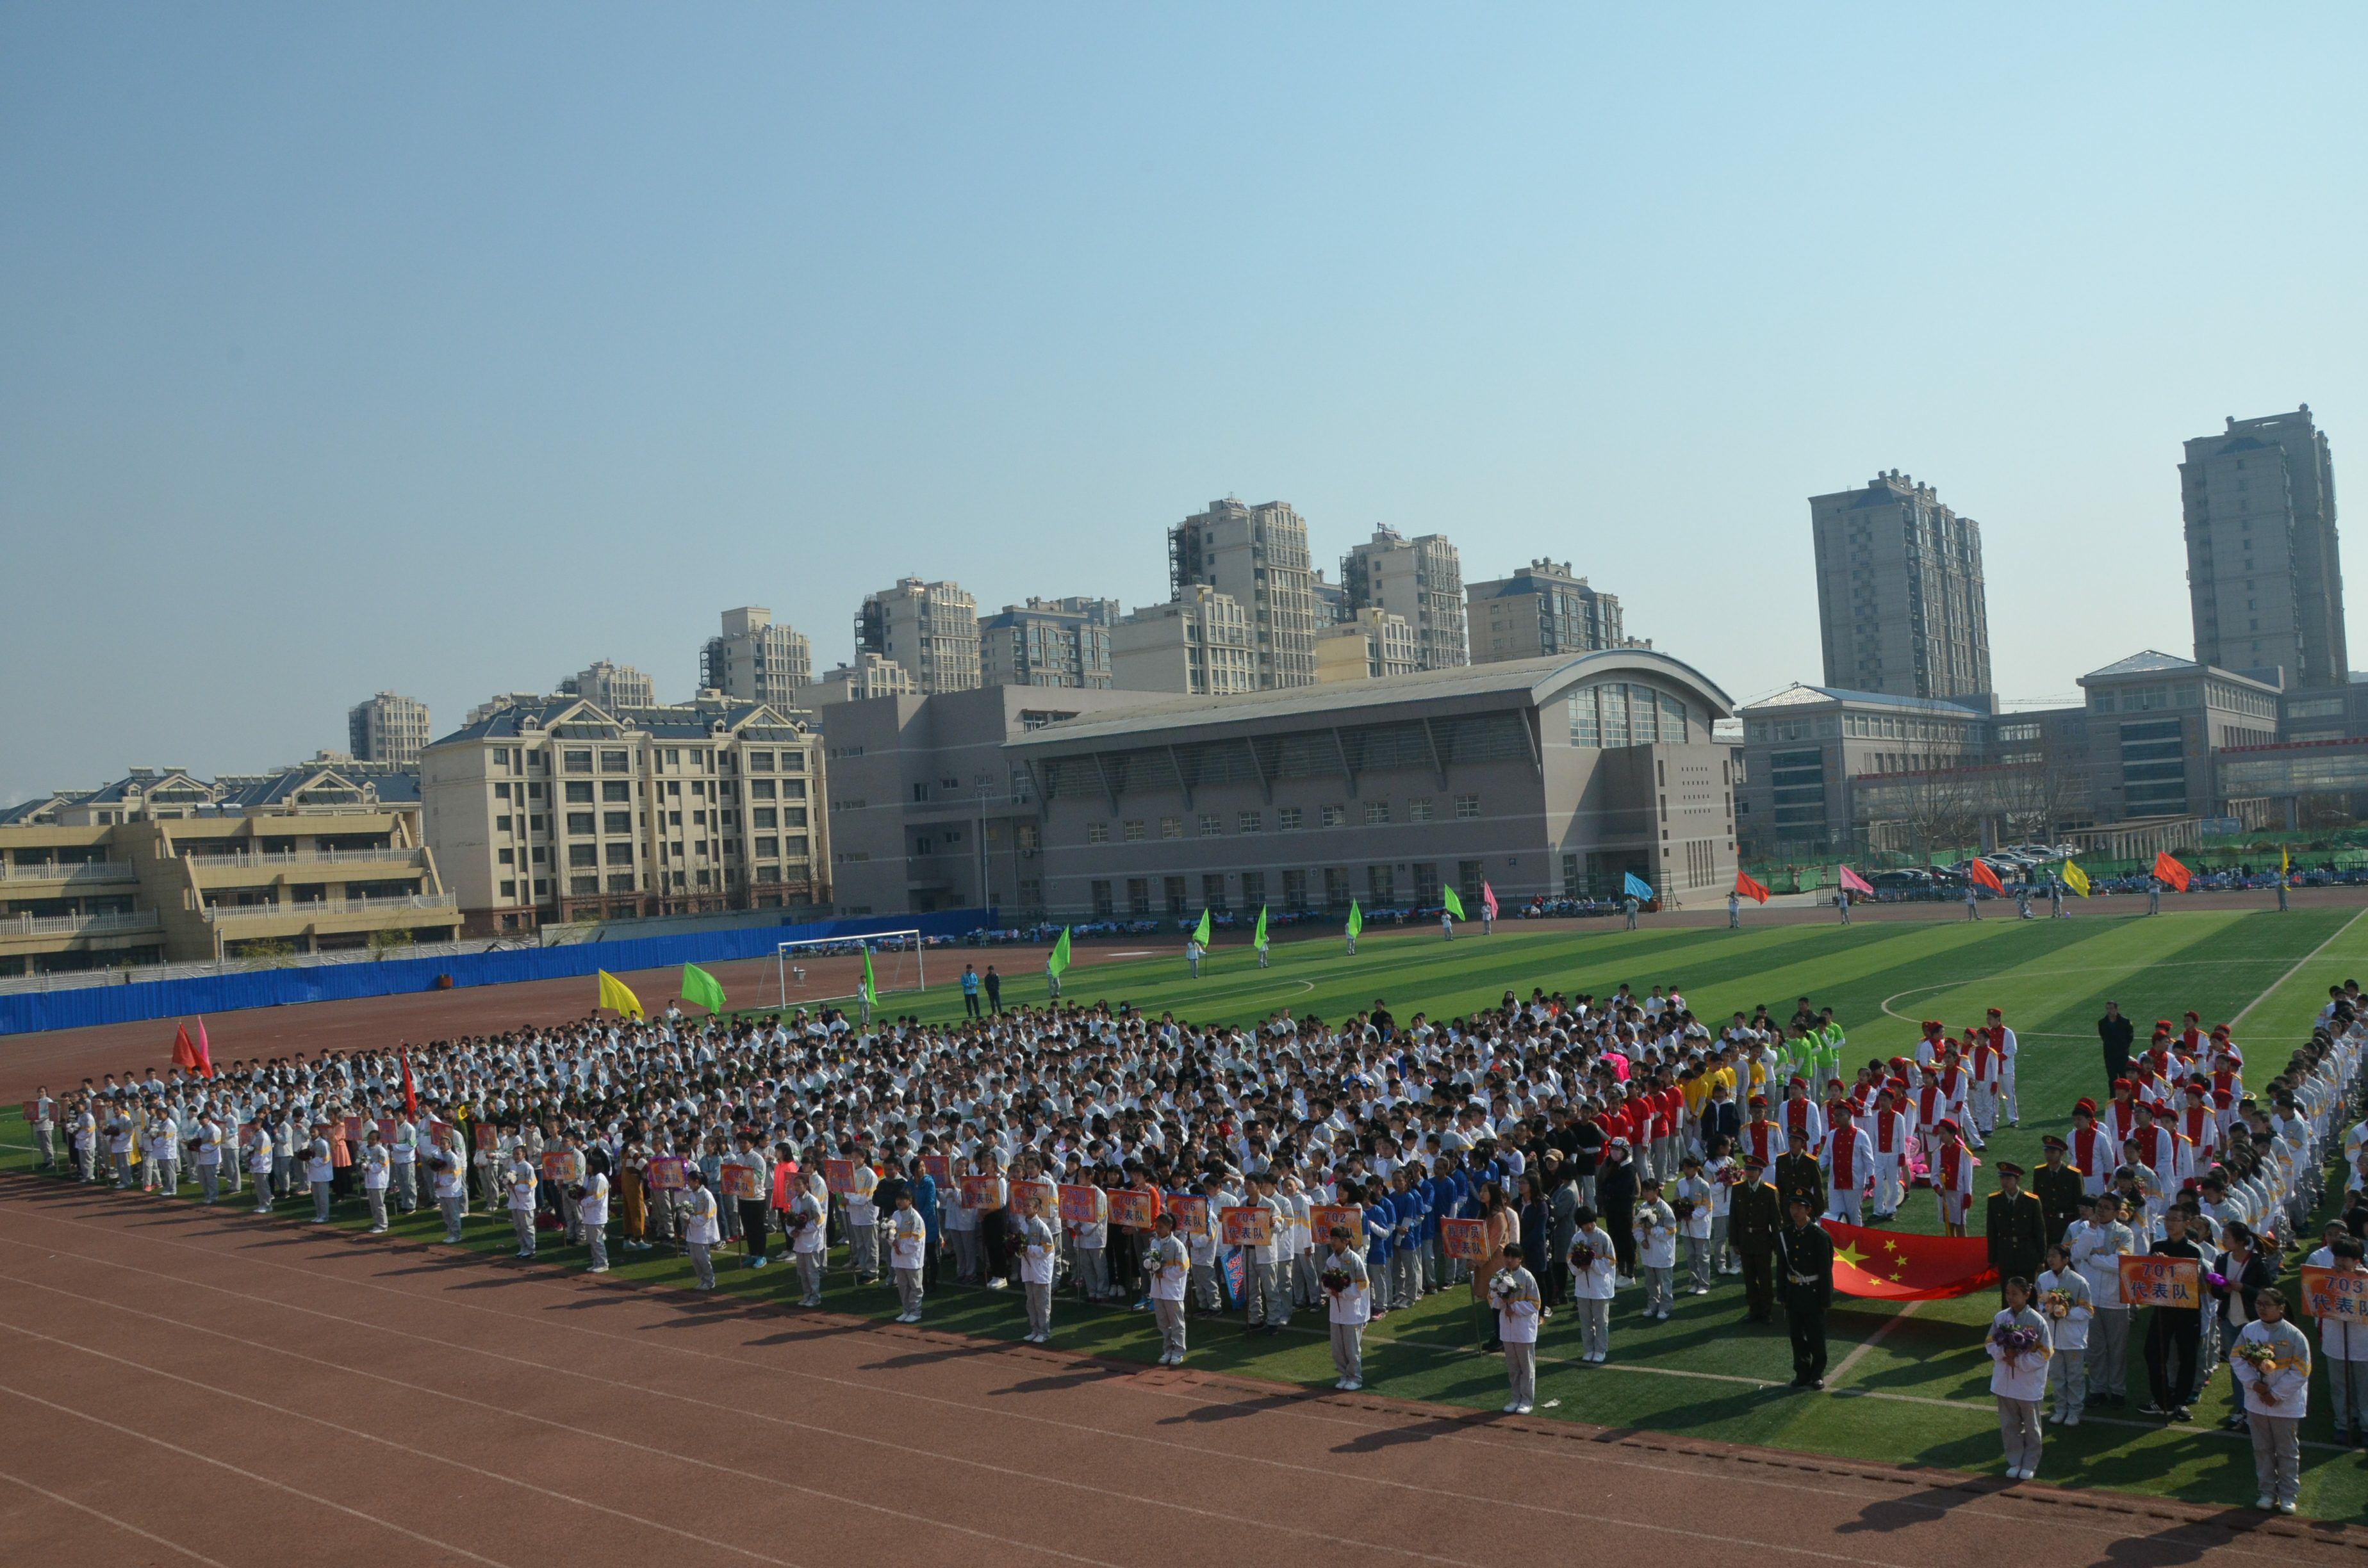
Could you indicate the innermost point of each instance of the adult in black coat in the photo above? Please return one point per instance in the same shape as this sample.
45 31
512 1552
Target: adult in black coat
2114 1032
1615 1201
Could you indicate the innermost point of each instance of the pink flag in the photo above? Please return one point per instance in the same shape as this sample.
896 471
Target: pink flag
205 1052
1853 882
1487 899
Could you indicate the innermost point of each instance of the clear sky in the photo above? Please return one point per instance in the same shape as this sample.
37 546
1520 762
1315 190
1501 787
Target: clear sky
449 348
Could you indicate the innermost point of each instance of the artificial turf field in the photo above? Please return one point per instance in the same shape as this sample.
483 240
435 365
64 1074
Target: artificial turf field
1908 1387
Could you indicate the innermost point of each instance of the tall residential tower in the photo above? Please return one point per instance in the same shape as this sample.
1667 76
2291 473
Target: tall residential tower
2264 578
1419 580
1900 592
1257 556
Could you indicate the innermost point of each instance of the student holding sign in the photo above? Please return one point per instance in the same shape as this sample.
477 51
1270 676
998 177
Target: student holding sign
521 1181
2175 1294
2335 1290
747 1181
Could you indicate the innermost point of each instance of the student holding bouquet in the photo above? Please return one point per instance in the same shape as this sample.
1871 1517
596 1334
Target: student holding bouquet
2065 1303
1344 1281
1594 1267
2272 1363
2020 1349
1513 1291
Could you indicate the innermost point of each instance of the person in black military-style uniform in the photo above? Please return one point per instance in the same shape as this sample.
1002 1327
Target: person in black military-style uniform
1798 1175
2016 1228
1755 1218
1807 1285
2057 1187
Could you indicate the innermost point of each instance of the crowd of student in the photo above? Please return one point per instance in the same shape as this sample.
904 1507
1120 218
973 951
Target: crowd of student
1538 1157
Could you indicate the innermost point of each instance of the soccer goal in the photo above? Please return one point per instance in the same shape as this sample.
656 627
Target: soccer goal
823 970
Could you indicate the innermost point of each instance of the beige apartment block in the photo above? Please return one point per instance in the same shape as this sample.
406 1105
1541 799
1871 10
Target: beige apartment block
388 728
611 686
564 811
1539 610
931 629
755 660
869 676
1257 557
1371 644
164 867
1199 645
1419 580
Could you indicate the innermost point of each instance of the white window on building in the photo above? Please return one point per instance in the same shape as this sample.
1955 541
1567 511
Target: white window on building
1467 808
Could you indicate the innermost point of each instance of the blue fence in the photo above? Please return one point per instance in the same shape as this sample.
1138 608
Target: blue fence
31 1012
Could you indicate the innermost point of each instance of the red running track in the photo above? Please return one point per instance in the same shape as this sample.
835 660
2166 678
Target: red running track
185 1386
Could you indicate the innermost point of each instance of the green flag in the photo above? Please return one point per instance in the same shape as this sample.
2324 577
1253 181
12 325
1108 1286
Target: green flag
870 985
1258 938
1356 918
701 987
1201 932
1059 962
1452 904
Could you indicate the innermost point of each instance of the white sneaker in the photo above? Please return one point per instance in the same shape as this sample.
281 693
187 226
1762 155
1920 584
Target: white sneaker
2265 1503
1511 1405
1522 1409
1352 1385
1341 1384
602 1269
2285 1508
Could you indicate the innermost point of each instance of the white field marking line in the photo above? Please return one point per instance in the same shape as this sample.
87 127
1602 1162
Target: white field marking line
1127 1497
571 1428
2297 968
328 1503
1306 1411
383 1442
1871 1340
1327 1473
2102 969
111 1519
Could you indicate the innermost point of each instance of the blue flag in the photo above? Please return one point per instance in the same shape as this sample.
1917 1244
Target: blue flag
1637 888
1233 1272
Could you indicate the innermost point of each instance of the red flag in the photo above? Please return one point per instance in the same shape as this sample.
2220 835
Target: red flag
1487 899
1896 1266
1980 872
184 1049
205 1052
410 1094
1752 889
2167 869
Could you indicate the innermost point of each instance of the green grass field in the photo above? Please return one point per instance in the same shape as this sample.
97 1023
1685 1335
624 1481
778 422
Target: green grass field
1907 1387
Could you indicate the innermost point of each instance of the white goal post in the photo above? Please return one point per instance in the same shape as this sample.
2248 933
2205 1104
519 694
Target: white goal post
830 968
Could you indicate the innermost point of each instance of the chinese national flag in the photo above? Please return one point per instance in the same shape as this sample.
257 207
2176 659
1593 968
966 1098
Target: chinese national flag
185 1051
2167 869
1892 1266
1980 872
1754 890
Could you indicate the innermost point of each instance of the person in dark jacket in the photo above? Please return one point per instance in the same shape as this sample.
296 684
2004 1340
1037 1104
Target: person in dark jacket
2016 1229
1615 1204
1537 1222
2114 1032
1808 1290
2057 1187
1755 1216
2249 1273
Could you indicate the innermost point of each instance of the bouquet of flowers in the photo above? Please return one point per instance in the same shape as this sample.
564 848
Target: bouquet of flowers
2216 1281
1502 1286
1730 1174
2058 1303
2015 1340
2260 1353
1336 1279
1584 1256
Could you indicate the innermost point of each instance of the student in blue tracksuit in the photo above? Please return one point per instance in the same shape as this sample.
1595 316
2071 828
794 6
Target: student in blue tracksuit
1381 1220
1435 1196
1413 1214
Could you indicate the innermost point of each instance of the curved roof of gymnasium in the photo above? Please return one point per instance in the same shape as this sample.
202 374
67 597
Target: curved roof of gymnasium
1536 681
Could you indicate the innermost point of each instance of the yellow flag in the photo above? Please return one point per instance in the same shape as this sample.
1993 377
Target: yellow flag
2285 861
2076 879
618 997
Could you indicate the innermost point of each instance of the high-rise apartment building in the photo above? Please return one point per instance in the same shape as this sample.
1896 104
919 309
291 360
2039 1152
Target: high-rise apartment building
1539 610
755 660
2264 579
1200 644
1899 591
869 675
1370 644
611 686
1257 556
931 629
1420 581
1048 642
388 728
1331 600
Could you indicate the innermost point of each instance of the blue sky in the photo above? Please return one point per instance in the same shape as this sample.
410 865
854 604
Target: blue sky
447 349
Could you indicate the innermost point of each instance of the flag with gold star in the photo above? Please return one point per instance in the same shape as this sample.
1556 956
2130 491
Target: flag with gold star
1893 1265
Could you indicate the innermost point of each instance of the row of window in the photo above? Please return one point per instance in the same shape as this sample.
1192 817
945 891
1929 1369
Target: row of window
1286 819
574 759
1382 887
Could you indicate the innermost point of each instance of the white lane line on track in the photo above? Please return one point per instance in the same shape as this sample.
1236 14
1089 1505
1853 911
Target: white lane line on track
2296 969
1307 1410
329 1503
125 1525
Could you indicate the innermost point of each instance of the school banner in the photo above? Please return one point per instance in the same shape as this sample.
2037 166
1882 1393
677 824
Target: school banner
1036 1199
978 1192
1246 1227
1133 1211
937 1169
1350 1217
1191 1213
33 1112
742 1182
386 1130
838 1176
1466 1239
666 1173
350 1130
562 1166
2162 1282
485 1134
1080 1205
440 1133
2331 1293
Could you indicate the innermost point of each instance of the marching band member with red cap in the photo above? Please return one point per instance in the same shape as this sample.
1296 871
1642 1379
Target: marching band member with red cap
1953 1177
